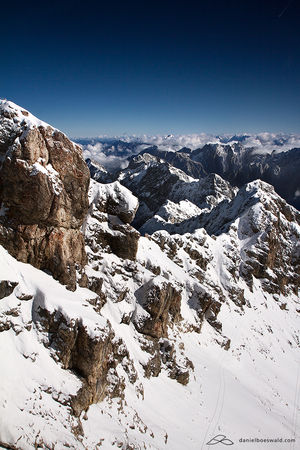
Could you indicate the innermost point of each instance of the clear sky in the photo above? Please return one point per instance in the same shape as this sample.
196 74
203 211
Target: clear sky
92 68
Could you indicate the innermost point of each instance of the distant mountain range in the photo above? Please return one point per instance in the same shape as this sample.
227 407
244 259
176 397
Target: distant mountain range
233 161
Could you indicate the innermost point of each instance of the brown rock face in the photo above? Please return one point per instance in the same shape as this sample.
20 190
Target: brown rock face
6 288
92 358
162 303
43 192
275 257
89 358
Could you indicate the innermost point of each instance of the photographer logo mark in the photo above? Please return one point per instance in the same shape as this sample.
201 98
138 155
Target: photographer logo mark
220 439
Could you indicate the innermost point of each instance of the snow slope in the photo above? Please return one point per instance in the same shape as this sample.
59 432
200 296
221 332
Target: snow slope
245 388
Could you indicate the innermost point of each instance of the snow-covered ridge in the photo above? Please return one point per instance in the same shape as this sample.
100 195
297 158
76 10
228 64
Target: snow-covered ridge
240 356
19 115
15 117
115 198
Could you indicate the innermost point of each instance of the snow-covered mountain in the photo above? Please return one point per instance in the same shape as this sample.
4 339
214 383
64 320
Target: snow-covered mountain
239 160
112 151
161 341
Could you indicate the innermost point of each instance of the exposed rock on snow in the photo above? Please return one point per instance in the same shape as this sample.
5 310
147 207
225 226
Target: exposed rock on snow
168 196
98 172
269 233
162 302
187 201
114 199
239 164
43 191
112 208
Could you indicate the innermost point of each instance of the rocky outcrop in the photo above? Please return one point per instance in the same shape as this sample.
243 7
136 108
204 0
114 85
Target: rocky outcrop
88 357
164 356
98 172
162 303
169 198
268 229
112 208
151 181
239 165
274 256
93 358
43 193
6 288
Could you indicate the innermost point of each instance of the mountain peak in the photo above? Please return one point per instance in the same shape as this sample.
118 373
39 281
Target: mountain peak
19 115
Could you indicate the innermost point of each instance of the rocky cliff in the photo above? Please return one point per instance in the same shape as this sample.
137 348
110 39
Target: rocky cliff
43 194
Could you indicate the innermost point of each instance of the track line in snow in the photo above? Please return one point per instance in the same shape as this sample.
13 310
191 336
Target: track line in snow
295 411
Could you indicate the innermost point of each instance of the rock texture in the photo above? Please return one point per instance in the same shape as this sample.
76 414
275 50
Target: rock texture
89 357
238 165
167 195
270 232
112 208
43 192
162 304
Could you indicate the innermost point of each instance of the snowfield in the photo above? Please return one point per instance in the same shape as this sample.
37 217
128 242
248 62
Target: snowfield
250 390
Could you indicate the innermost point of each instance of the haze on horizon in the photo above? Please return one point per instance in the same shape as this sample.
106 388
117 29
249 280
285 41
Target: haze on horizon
91 69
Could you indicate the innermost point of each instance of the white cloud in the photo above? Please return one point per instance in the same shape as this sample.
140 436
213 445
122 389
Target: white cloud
96 152
268 142
297 193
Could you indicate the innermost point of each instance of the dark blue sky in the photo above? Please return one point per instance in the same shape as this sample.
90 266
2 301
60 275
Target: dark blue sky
93 68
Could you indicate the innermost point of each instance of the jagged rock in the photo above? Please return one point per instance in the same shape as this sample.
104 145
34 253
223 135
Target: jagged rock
269 230
240 165
151 181
89 357
43 193
162 304
104 229
6 288
169 198
98 172
124 243
114 199
55 249
168 357
209 309
153 367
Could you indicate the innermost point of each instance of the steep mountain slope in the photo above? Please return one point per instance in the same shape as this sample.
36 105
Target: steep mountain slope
167 195
224 341
171 334
240 165
179 159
